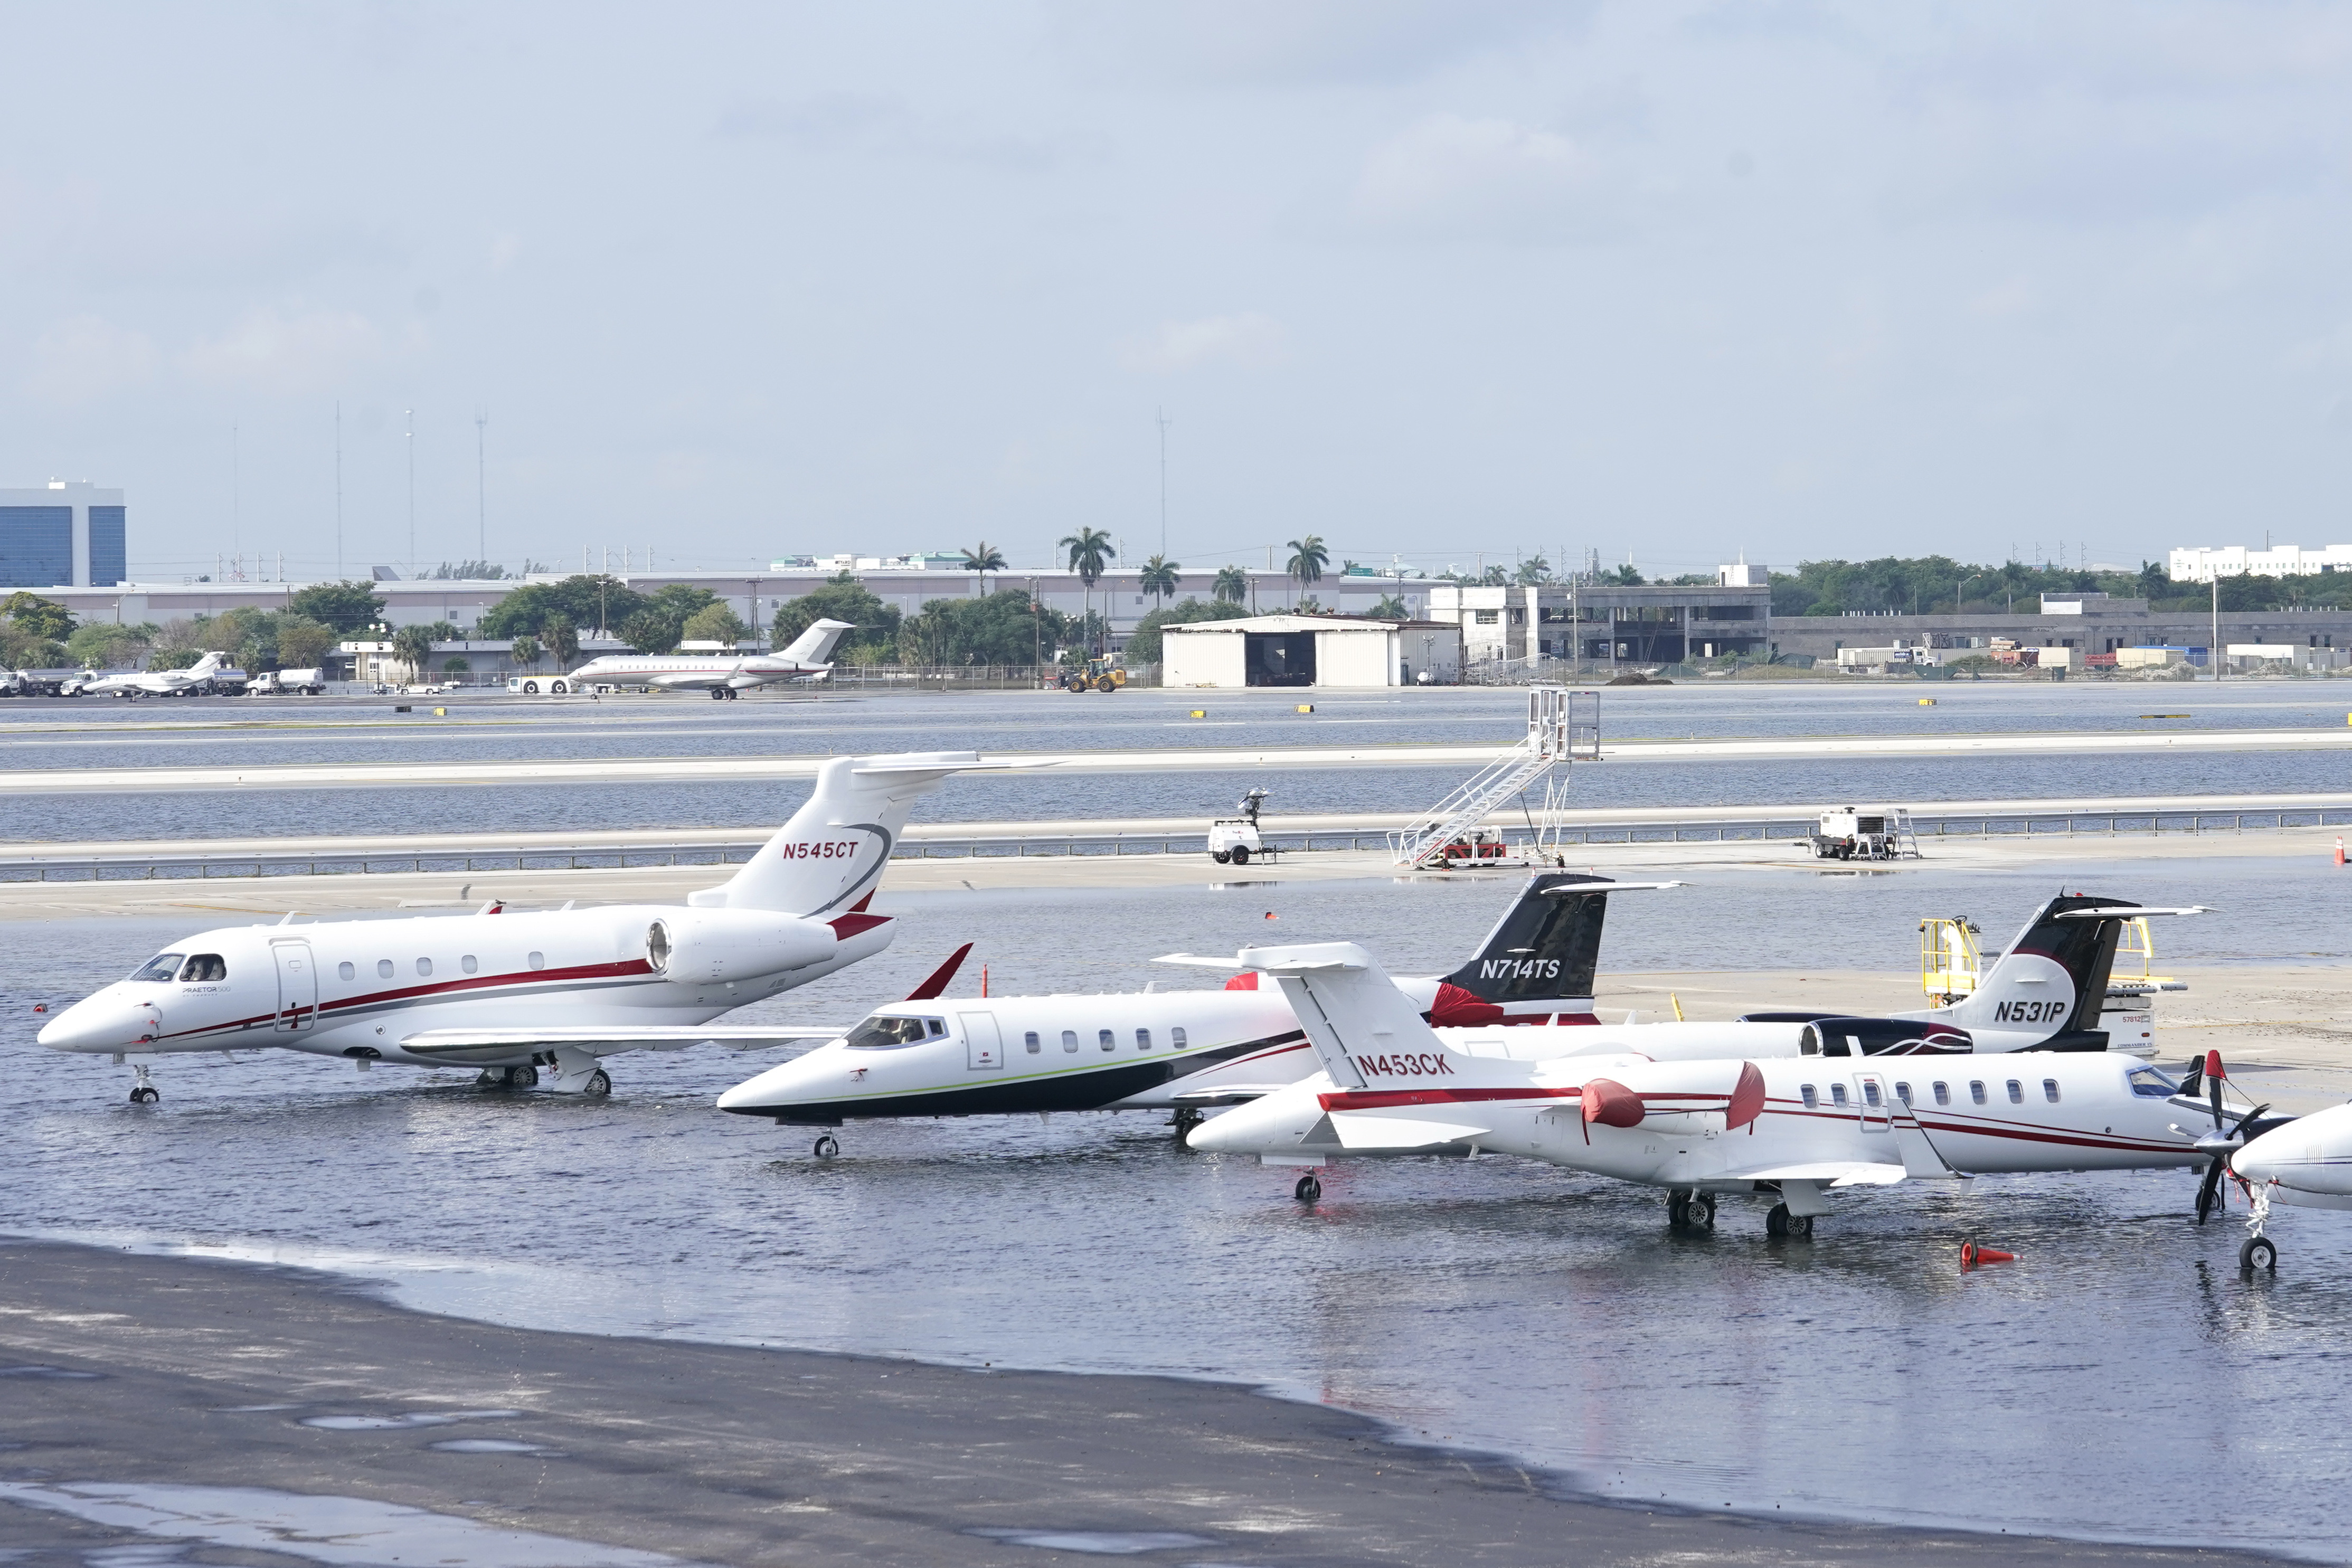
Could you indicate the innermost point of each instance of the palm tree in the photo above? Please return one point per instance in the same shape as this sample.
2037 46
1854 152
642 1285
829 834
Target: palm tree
562 640
412 646
1307 559
1533 568
1390 608
1232 585
1160 579
984 559
1089 550
527 652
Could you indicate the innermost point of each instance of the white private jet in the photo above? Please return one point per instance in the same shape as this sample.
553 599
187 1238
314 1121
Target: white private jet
1801 1126
1185 1050
512 994
722 675
138 683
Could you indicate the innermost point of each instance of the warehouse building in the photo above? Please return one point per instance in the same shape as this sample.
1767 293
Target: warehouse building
1327 651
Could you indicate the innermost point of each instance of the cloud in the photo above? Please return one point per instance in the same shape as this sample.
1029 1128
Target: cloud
1251 41
1449 176
1251 341
271 351
85 357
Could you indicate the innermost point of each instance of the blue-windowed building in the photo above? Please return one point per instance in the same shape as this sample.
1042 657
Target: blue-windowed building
67 535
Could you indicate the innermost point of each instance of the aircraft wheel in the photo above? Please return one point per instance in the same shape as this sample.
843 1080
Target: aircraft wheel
719 694
1241 854
1776 1222
1802 1227
1698 1212
523 1078
146 1094
1308 1189
827 1146
1678 1201
600 1084
2260 1252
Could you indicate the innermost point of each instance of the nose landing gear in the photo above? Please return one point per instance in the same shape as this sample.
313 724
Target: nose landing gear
1308 1189
142 1092
827 1146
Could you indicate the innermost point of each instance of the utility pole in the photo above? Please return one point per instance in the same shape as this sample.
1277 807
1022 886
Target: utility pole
409 415
2214 652
482 486
236 551
1163 484
339 490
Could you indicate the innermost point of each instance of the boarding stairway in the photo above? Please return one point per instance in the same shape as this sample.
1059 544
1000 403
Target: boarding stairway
1562 726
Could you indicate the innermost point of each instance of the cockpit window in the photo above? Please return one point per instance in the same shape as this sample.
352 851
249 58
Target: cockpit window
206 966
162 967
883 1033
2150 1084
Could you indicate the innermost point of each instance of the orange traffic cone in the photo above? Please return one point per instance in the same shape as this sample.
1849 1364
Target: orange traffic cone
2339 851
1971 1255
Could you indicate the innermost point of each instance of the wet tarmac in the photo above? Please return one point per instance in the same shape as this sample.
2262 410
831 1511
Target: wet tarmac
2099 1388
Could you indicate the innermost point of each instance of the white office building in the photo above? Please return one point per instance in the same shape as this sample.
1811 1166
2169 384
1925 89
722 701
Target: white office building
2202 564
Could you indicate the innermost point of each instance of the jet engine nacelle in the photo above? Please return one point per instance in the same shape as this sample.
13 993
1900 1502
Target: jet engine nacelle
695 947
1833 1037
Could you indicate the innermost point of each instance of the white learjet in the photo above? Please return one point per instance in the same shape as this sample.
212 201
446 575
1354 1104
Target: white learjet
511 994
138 683
722 675
1803 1125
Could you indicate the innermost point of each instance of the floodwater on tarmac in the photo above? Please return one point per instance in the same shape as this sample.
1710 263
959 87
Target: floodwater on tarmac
209 732
2120 1380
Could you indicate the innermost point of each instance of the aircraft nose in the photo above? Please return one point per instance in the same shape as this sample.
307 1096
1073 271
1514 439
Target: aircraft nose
1233 1133
778 1089
2259 1160
100 1023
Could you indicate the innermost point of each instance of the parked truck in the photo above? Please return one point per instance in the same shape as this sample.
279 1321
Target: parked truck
1850 833
278 682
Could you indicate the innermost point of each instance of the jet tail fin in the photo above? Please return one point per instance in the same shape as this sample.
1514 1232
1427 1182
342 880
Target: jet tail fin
834 850
814 646
2054 977
1347 1006
1539 959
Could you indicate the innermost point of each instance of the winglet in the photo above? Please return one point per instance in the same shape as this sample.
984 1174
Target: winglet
945 972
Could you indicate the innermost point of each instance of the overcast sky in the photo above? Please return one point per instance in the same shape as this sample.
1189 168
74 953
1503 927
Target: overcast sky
1671 281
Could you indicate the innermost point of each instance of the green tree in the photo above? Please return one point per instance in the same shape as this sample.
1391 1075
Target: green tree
1307 559
412 646
1390 608
583 599
652 631
1625 576
303 643
1232 585
105 645
1159 579
1090 553
527 652
345 607
458 664
37 616
562 640
843 597
1004 628
1143 645
983 559
1535 569
716 622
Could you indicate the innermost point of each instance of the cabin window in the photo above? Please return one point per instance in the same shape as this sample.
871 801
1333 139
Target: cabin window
1033 1042
470 963
162 967
536 960
1176 1036
1142 1039
2050 1090
2150 1084
383 969
1837 1094
1975 1091
883 1033
347 970
1869 1091
424 966
206 966
1811 1098
1108 1040
1069 1040
1902 1092
2016 1092
1943 1094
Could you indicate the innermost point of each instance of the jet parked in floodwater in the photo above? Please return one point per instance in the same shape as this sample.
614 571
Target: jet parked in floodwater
514 993
810 657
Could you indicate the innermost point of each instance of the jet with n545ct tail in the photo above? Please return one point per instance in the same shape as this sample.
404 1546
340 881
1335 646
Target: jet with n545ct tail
514 993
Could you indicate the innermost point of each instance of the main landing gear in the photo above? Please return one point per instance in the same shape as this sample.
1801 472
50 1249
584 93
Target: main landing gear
827 1146
1308 1190
1690 1210
724 693
142 1092
512 1077
1779 1222
1186 1118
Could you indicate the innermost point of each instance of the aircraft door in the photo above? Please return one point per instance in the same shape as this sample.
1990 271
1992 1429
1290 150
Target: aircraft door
297 986
983 1045
1870 1102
